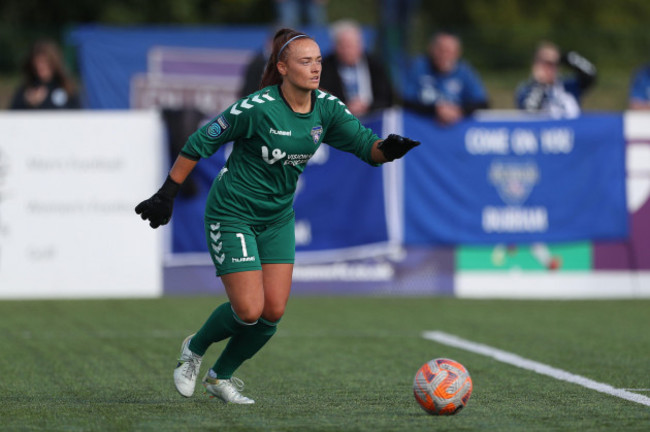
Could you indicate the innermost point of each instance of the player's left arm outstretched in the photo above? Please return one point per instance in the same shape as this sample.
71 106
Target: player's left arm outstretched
391 148
345 132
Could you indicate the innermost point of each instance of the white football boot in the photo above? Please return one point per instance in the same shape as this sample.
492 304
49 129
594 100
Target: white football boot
226 390
187 369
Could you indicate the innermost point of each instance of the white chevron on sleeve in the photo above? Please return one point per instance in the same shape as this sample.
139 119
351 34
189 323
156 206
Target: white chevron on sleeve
246 105
257 99
234 110
268 97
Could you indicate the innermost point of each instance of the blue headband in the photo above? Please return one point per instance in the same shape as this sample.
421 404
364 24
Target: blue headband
288 42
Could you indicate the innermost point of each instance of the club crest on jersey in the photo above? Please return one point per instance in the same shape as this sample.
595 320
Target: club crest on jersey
217 127
316 132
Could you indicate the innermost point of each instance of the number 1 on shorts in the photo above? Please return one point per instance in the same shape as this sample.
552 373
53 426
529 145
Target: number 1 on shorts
243 244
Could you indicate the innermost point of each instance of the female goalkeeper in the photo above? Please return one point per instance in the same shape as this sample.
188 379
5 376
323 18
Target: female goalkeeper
249 219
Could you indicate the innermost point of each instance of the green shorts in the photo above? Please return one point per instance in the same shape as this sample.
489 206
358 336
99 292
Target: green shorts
236 247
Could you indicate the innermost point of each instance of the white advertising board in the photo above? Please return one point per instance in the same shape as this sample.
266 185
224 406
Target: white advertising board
69 182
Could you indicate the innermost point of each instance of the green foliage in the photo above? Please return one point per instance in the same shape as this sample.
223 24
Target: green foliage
497 33
336 364
24 21
500 34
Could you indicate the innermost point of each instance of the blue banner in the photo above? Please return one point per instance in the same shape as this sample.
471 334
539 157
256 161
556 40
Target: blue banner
340 201
515 181
122 66
478 182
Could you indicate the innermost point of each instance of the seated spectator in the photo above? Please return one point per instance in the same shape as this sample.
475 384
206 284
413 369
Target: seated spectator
46 83
640 89
548 92
442 84
353 75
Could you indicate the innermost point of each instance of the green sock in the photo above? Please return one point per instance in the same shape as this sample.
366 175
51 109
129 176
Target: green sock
243 346
222 324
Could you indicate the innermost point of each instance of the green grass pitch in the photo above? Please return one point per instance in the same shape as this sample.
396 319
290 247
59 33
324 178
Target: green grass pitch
336 364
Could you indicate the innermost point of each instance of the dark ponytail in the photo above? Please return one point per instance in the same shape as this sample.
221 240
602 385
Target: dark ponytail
271 74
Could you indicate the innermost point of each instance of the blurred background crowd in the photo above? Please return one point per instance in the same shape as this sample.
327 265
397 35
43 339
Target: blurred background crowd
445 59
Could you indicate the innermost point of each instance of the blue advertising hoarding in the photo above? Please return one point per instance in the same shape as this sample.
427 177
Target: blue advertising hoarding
482 182
477 182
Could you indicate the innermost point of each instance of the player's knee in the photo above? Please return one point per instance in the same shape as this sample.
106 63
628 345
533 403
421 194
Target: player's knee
273 313
248 313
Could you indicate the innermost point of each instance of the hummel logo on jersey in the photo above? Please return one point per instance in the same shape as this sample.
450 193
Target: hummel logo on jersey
279 132
276 153
245 259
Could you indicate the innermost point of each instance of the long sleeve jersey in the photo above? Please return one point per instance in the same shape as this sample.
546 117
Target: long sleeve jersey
272 145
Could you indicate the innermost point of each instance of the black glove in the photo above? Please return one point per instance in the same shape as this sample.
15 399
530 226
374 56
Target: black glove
158 208
395 146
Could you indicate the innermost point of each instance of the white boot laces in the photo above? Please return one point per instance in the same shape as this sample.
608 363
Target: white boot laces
237 383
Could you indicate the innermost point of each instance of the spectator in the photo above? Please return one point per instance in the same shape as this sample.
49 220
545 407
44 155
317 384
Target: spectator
640 89
46 83
442 84
546 91
295 13
356 77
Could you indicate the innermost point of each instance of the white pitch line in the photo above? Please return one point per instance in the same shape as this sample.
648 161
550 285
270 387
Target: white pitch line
540 368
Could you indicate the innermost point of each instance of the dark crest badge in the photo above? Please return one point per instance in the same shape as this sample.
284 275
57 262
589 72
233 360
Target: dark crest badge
316 132
514 180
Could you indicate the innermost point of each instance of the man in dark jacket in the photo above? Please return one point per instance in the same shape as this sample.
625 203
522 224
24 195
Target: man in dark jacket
357 78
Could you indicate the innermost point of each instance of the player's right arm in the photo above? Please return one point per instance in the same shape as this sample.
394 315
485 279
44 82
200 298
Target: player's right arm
232 124
182 168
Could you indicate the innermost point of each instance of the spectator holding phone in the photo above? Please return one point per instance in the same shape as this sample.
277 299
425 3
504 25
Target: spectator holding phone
549 92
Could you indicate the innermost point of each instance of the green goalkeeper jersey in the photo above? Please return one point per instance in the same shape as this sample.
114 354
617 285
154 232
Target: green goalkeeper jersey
272 145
